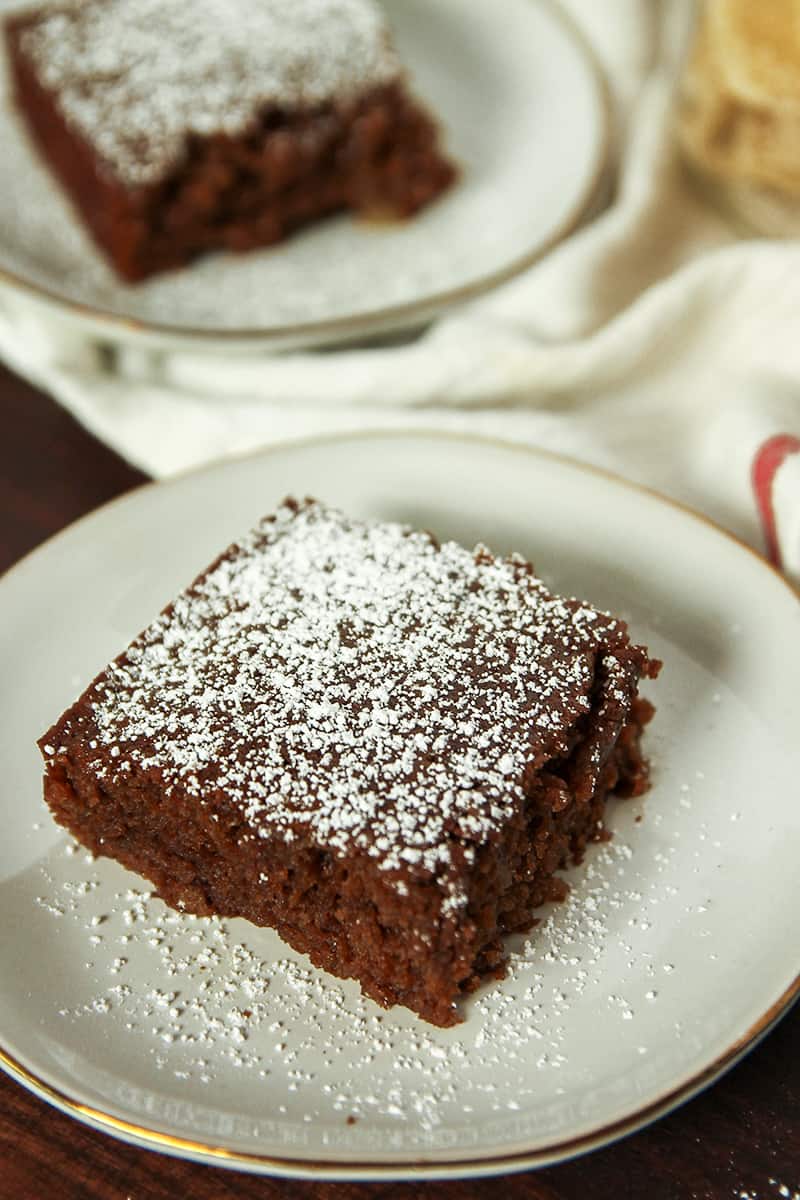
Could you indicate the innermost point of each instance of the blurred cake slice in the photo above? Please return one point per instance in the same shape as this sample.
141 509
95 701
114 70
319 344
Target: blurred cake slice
182 128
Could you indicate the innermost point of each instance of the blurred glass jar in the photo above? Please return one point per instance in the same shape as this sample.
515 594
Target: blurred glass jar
739 110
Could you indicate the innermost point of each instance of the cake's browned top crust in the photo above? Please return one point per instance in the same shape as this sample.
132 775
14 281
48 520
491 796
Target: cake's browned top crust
356 684
136 77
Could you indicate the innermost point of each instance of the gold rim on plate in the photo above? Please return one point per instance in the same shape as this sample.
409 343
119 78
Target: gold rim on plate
334 1169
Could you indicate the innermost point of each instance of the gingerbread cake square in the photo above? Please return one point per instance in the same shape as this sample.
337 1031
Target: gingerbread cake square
382 747
178 128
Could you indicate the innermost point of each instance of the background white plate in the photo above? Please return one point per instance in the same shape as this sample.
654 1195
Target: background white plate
523 112
678 945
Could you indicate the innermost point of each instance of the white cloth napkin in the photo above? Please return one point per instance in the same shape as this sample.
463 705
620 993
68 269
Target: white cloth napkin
653 342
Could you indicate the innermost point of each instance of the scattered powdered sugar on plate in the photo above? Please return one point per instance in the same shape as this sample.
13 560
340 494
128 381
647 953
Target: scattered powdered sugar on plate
621 955
777 1189
137 79
202 1001
784 1191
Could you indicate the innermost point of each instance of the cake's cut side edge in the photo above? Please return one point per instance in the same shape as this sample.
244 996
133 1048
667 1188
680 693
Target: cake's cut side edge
376 155
564 812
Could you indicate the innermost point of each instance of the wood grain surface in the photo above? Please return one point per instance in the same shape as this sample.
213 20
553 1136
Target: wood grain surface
740 1140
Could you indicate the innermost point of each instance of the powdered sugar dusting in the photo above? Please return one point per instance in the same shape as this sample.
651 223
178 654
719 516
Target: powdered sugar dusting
355 685
136 77
206 1003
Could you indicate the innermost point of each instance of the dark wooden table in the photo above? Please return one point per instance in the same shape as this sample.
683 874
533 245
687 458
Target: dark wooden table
738 1141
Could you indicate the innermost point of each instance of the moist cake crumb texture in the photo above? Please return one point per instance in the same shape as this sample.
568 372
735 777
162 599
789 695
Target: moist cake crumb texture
383 747
135 77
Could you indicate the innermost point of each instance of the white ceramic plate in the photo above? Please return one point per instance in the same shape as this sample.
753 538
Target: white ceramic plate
676 950
524 113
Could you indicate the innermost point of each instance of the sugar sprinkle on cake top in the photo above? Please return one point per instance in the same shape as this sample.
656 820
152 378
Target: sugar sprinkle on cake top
358 683
134 77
